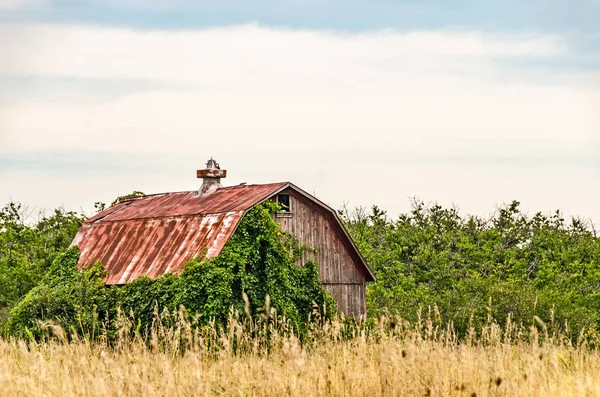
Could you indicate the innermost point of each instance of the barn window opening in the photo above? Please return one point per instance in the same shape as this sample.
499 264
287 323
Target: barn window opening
284 201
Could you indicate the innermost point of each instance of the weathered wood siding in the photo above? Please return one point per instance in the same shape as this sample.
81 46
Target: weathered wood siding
351 298
317 228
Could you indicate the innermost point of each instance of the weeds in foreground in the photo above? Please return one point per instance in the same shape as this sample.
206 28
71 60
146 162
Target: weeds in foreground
263 355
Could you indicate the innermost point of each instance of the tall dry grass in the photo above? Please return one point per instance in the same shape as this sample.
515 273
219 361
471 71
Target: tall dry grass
262 356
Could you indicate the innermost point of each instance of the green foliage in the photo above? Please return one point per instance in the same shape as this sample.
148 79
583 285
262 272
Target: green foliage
100 206
133 194
526 265
258 261
28 249
76 300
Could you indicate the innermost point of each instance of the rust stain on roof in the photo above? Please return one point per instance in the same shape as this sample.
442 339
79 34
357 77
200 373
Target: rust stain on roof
226 199
160 233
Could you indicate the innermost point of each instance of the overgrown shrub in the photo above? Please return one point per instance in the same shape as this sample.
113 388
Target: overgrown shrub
258 261
76 300
27 249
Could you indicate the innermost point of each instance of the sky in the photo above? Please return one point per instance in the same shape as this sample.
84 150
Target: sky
463 103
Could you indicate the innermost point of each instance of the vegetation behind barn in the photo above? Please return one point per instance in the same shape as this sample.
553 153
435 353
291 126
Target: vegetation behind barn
465 266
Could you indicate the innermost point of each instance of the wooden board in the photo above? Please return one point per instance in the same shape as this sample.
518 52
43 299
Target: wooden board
338 269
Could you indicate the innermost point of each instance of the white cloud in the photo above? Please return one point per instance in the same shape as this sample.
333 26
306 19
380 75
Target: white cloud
11 5
249 88
239 52
251 84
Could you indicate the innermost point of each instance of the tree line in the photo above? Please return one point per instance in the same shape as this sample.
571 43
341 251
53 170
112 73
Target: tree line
464 268
469 267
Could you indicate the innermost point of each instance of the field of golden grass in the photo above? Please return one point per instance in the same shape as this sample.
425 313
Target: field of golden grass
264 358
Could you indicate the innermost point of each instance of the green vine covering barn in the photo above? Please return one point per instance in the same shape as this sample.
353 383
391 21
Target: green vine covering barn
156 234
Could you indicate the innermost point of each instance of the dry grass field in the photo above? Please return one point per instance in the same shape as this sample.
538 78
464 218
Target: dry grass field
390 360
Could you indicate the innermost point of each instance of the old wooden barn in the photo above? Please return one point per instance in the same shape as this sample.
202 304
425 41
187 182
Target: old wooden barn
158 233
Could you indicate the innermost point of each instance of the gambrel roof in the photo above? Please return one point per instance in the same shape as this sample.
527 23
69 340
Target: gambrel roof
159 233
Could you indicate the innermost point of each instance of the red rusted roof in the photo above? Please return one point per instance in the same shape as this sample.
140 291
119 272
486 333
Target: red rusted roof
225 199
157 234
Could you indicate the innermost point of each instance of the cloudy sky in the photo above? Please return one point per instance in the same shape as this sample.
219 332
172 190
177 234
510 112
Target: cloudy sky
464 103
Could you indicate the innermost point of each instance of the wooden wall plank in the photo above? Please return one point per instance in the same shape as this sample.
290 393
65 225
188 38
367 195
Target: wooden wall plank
338 271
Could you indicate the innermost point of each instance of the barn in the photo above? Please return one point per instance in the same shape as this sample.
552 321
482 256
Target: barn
159 233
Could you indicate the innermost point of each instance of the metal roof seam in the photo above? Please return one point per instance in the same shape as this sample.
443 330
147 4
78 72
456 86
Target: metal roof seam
165 216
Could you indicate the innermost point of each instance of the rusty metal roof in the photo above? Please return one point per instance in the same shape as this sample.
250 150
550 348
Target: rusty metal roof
156 234
226 199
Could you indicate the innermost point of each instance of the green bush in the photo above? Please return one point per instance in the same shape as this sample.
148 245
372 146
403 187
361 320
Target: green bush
76 300
27 249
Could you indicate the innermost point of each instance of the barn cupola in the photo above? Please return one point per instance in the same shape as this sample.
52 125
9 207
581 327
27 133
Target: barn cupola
211 177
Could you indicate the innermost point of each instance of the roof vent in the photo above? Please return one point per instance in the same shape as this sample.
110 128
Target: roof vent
211 177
